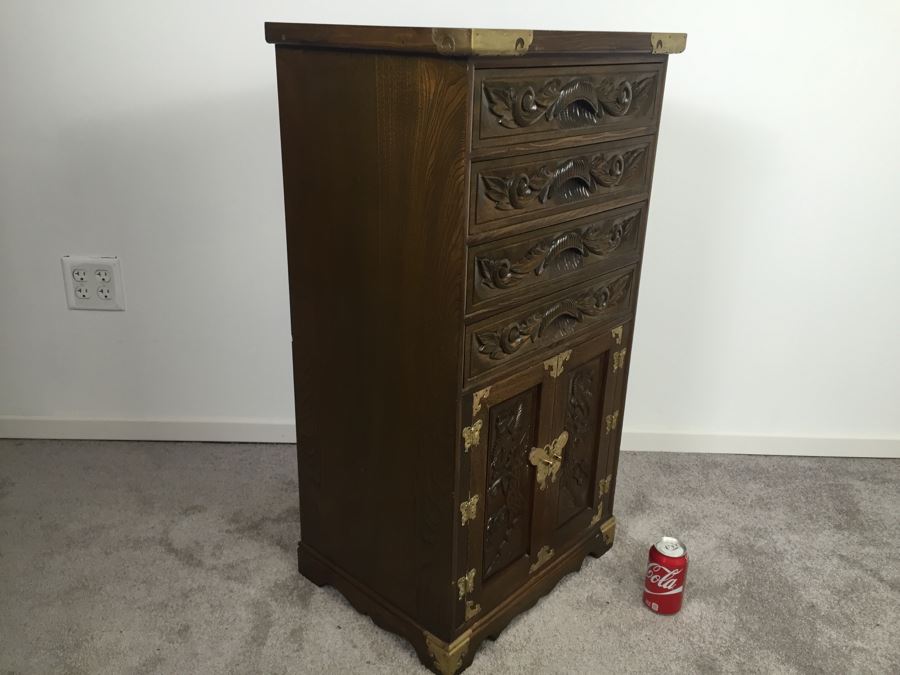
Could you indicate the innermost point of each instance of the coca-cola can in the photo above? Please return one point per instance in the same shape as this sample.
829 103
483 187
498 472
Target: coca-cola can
666 572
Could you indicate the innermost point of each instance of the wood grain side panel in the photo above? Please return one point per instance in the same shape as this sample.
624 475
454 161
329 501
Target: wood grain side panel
374 171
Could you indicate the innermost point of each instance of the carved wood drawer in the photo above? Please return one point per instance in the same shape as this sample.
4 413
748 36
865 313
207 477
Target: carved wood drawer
559 185
508 338
525 105
509 270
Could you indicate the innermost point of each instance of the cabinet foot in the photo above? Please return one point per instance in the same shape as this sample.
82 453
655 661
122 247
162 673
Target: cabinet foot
436 654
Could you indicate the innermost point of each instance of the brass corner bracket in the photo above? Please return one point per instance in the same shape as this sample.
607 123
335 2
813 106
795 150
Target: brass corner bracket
555 363
477 399
542 557
668 43
481 41
617 334
447 657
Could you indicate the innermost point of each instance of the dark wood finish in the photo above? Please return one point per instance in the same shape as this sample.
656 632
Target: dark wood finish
462 303
374 255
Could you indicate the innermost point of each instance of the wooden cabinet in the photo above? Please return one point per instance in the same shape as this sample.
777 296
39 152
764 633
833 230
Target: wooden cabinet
465 218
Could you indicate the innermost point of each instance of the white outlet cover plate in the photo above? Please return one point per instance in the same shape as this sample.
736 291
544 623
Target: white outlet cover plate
85 276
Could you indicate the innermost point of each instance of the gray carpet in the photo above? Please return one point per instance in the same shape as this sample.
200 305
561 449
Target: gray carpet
180 558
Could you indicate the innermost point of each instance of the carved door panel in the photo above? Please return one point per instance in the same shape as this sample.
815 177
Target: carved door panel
511 418
587 408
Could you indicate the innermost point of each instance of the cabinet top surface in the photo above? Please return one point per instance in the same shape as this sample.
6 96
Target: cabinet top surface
463 42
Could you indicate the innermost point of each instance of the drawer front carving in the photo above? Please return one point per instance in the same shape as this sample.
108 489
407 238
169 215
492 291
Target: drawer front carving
508 270
535 104
509 192
499 341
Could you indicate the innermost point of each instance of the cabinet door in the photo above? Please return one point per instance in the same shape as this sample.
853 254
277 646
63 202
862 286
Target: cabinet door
510 419
588 409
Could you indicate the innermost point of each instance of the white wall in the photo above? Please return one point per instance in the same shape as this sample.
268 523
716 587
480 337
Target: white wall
768 310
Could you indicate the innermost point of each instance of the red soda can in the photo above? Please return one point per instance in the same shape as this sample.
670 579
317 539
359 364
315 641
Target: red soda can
666 571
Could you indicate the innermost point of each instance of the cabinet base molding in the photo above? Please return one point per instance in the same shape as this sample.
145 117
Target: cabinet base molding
453 656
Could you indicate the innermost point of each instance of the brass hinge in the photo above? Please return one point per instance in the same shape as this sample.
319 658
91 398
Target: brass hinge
612 421
555 364
471 435
668 43
477 399
617 334
619 358
605 484
466 584
548 459
542 557
469 509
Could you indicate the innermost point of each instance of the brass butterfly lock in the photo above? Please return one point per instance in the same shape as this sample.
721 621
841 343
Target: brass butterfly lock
548 459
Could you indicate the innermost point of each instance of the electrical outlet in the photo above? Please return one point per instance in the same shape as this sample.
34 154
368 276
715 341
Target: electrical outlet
93 283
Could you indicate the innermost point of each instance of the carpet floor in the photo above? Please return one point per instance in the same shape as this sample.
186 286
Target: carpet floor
181 558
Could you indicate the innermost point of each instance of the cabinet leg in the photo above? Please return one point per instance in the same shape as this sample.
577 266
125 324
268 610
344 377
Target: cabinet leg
311 568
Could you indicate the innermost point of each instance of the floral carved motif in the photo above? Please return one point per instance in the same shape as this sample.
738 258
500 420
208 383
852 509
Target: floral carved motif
581 420
506 510
565 181
573 103
600 239
548 322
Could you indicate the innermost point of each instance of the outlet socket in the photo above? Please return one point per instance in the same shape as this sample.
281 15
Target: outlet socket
93 282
